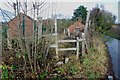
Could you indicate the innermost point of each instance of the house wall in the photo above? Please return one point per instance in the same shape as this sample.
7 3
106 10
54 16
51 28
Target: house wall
77 24
14 23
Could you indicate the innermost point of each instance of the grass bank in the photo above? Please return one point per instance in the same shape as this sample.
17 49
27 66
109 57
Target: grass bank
97 62
94 65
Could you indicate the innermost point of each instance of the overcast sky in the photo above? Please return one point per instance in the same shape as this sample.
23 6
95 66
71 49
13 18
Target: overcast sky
66 7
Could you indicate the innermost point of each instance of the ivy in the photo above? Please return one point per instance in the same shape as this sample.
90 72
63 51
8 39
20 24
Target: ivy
4 72
43 75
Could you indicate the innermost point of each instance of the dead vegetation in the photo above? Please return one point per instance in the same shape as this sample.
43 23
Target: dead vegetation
91 65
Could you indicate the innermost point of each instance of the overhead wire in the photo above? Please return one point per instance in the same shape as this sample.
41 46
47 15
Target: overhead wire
9 3
10 19
13 7
46 8
6 20
42 11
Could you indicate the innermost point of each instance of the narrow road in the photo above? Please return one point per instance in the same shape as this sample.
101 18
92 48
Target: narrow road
114 51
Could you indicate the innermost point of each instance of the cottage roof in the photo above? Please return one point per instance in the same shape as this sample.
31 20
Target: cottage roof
14 23
21 15
76 24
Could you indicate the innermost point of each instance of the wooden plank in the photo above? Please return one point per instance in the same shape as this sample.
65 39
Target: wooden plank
53 45
67 41
54 34
81 40
62 41
66 49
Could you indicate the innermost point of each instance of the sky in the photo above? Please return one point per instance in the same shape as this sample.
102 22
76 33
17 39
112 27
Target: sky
67 7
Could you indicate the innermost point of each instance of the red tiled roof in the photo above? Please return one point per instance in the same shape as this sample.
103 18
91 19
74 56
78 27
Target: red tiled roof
76 24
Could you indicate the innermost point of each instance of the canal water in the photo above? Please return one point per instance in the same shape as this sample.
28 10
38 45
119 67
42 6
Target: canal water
114 51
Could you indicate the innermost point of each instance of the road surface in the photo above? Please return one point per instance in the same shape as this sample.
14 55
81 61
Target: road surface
114 50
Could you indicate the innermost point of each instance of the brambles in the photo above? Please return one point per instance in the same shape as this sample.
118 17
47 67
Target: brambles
73 70
43 75
4 72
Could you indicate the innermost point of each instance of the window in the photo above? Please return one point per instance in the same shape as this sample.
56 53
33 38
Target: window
77 30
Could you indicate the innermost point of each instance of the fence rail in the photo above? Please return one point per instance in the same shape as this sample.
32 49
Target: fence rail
66 49
62 41
69 49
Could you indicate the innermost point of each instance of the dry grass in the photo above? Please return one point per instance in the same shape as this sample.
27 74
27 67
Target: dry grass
96 62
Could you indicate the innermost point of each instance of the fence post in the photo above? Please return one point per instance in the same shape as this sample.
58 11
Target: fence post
56 43
77 55
83 44
64 31
86 29
68 32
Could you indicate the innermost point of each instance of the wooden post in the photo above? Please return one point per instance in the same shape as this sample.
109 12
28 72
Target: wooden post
68 32
77 55
8 40
39 27
9 44
89 34
56 37
83 44
86 29
64 31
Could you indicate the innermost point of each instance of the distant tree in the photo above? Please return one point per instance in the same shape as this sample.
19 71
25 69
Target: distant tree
103 20
81 12
66 23
63 24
